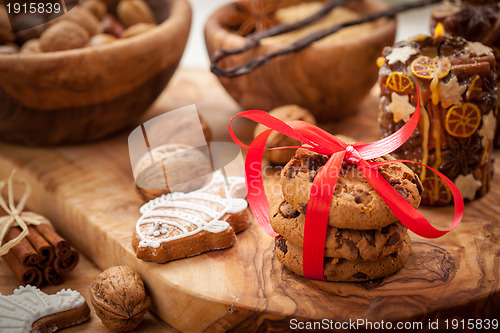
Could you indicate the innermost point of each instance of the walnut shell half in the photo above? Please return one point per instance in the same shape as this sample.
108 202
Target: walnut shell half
119 298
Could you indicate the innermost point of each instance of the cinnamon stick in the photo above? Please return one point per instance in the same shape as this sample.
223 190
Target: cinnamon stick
52 276
61 246
46 253
25 274
24 251
467 70
254 39
66 264
489 58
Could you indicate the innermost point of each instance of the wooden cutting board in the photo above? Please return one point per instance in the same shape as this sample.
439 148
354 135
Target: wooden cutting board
88 193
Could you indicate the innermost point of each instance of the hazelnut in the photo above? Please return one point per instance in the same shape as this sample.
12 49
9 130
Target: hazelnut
96 7
101 39
284 113
119 298
82 17
31 46
137 29
131 12
63 35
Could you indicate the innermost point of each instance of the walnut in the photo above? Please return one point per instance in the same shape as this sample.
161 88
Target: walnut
101 39
63 35
131 12
96 7
31 46
171 168
119 298
136 29
9 48
84 18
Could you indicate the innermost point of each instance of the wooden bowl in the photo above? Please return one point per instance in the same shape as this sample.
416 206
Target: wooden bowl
86 94
329 79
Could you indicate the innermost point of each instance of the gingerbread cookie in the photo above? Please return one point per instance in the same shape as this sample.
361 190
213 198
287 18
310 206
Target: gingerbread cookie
275 139
29 309
179 225
338 269
355 204
349 244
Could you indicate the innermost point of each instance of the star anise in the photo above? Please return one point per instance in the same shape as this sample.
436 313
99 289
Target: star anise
253 15
462 157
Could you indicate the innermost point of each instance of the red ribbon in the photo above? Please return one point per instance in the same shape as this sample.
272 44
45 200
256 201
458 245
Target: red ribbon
323 187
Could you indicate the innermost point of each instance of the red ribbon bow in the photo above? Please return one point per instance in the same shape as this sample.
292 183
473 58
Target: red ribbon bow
318 208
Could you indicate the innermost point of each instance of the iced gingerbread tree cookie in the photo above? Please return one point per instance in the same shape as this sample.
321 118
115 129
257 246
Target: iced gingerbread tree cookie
179 225
29 309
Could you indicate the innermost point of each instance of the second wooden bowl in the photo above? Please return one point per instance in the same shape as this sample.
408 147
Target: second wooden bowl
329 79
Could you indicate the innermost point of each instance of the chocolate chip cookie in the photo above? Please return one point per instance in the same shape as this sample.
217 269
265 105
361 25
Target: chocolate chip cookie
355 204
349 244
338 269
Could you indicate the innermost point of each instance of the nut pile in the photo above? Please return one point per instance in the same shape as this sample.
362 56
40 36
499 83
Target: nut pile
91 23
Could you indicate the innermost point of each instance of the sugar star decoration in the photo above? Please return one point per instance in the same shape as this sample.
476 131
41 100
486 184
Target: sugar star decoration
450 93
478 48
401 108
467 185
488 129
401 54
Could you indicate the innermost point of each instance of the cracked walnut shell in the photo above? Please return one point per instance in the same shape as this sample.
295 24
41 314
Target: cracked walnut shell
119 298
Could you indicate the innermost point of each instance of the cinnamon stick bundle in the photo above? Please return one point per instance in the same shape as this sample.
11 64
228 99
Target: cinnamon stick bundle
41 256
30 247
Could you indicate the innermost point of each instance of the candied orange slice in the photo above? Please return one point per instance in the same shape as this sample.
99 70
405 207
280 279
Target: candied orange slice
399 83
475 87
435 192
428 68
462 120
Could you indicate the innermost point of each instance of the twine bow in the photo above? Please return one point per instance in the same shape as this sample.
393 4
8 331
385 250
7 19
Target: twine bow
320 141
15 215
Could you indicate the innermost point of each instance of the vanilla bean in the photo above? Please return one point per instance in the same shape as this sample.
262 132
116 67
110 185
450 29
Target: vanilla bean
254 38
300 44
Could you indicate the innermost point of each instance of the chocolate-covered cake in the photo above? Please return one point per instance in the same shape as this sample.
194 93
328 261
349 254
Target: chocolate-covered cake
458 91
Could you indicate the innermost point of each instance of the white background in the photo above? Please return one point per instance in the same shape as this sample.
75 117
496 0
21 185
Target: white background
195 55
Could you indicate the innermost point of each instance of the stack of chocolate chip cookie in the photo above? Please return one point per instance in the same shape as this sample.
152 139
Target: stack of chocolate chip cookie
364 239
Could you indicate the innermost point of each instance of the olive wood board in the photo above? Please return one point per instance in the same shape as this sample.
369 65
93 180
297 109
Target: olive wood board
87 191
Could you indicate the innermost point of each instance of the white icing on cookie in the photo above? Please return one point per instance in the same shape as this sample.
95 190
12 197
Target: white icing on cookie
178 215
28 304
